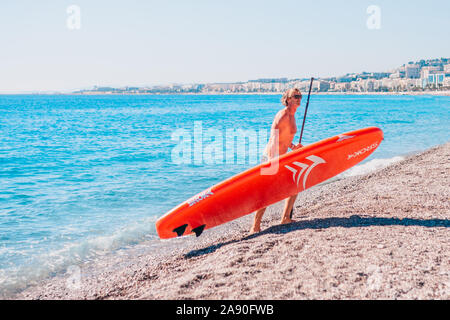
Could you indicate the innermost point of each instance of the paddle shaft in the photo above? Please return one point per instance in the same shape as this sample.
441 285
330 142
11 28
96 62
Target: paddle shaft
303 126
306 109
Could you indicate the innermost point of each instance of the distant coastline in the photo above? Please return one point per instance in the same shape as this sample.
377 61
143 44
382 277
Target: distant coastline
400 93
424 77
444 93
415 78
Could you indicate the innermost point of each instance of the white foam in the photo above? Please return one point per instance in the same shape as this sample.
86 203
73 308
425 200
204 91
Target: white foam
365 168
370 166
57 261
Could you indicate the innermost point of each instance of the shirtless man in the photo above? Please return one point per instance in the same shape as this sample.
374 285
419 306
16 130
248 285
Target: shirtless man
284 125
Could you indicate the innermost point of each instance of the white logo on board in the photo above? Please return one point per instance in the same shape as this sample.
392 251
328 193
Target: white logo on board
344 137
199 197
315 161
362 151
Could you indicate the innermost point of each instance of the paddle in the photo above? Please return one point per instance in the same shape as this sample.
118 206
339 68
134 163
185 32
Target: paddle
303 126
306 109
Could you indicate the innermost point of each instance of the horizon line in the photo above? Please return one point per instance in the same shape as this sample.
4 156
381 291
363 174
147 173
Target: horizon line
73 90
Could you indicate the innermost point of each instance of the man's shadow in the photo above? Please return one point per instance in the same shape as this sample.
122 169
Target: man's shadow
354 221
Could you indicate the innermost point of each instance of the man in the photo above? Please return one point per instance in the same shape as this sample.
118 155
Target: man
282 134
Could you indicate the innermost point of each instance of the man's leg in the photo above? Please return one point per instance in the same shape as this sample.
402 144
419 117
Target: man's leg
257 221
288 205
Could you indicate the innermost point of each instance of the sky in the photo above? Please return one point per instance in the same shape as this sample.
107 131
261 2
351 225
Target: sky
48 46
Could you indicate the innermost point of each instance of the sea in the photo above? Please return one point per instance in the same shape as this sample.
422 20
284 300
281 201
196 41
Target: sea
82 176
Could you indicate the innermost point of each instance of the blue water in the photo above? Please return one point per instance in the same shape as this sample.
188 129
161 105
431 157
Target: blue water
82 176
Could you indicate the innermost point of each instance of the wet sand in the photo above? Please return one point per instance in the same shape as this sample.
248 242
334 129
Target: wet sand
384 235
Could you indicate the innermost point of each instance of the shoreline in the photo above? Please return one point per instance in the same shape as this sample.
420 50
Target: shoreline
444 93
383 235
410 93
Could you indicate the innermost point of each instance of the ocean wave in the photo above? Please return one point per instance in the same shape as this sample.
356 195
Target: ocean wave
58 261
370 166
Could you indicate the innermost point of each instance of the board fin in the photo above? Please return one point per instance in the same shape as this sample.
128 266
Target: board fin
198 231
180 230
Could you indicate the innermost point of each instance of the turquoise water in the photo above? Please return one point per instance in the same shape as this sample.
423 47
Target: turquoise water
82 176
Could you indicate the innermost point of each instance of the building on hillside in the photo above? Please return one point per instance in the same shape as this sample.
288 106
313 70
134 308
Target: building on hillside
447 82
447 68
434 79
426 70
342 86
412 71
323 86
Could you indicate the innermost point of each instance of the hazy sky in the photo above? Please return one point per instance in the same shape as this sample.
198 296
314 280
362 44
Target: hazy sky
198 41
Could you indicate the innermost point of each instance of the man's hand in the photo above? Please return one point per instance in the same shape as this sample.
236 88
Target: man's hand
295 147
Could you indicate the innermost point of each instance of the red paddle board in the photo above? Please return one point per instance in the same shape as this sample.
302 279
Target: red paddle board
269 182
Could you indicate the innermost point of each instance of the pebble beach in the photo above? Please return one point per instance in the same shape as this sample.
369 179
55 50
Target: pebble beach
382 235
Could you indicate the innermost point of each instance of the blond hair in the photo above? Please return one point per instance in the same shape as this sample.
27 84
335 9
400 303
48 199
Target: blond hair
288 94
